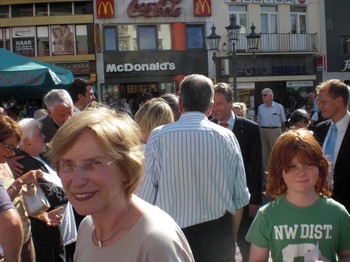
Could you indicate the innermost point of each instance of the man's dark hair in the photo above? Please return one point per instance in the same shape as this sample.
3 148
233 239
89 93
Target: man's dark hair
224 89
78 86
145 97
196 93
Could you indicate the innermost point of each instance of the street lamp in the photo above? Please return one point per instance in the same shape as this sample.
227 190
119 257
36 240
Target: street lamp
253 40
213 41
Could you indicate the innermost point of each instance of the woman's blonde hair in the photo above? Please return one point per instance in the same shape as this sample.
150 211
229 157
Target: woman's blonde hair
152 114
240 106
301 144
116 132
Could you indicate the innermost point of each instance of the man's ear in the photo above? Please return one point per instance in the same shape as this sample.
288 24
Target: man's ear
49 113
210 110
180 107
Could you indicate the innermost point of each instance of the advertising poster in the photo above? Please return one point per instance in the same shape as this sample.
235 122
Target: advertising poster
23 41
62 38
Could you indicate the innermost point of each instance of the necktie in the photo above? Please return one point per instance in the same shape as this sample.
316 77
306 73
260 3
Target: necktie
329 150
224 124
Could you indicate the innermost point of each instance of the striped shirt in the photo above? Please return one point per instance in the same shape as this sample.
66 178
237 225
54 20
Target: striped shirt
194 170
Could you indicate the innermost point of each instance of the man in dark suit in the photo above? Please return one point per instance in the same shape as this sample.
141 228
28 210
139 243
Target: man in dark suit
248 135
59 106
333 97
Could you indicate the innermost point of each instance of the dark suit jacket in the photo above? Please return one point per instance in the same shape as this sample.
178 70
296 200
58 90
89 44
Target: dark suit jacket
49 128
341 190
247 133
47 240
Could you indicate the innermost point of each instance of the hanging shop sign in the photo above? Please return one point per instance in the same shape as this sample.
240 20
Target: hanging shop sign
151 64
161 8
105 8
23 42
286 2
346 65
202 7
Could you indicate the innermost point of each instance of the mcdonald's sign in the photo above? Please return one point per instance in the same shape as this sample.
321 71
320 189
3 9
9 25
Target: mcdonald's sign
202 7
105 8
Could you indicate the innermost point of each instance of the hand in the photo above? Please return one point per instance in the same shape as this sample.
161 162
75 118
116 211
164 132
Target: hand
15 166
52 218
253 209
30 177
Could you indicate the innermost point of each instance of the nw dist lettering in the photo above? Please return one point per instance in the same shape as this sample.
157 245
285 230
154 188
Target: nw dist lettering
303 231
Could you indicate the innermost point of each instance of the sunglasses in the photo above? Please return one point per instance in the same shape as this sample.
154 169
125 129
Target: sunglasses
9 148
265 95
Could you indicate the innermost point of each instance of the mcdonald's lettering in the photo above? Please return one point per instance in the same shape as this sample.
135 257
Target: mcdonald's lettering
202 7
105 8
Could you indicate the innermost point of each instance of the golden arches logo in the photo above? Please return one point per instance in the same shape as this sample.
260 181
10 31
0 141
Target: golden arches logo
107 9
202 7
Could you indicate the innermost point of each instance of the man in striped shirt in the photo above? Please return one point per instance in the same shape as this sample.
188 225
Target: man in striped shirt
194 171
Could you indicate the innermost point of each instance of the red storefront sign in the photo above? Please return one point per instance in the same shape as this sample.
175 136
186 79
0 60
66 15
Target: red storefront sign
202 7
105 8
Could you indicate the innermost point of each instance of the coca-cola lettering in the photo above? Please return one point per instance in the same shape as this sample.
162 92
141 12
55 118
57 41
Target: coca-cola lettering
129 67
164 8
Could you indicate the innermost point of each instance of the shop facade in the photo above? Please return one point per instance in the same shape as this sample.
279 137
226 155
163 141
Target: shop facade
149 46
59 32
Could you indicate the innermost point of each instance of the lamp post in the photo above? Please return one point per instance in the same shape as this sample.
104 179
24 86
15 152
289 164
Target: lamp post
213 41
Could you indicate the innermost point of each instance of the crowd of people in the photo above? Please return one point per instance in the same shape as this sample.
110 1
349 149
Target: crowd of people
181 178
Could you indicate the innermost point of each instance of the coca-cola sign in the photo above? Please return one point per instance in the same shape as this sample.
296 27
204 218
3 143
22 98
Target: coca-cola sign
161 8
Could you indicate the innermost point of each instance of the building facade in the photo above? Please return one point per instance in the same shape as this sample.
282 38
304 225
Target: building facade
58 32
334 58
130 47
286 59
149 46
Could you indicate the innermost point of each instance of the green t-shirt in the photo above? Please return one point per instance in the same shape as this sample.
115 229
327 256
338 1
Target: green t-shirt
289 232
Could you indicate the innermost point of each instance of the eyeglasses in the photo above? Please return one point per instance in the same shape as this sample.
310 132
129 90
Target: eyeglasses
9 148
264 94
89 167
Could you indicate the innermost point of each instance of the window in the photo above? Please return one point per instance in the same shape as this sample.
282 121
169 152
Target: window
298 20
147 38
61 8
22 10
127 38
137 37
41 9
43 47
344 44
82 8
4 11
268 18
194 36
239 12
110 39
81 39
5 38
164 35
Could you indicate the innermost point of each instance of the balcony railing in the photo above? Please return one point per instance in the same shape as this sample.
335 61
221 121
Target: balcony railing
276 43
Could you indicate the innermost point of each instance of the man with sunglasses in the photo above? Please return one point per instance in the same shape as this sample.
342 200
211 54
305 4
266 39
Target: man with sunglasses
271 119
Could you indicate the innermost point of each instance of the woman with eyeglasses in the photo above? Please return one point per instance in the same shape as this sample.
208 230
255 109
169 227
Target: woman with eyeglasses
98 157
10 136
57 242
